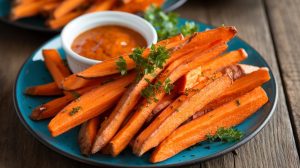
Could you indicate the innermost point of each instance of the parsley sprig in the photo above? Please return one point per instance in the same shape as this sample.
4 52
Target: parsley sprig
225 135
122 66
150 91
156 59
189 28
147 65
168 86
166 24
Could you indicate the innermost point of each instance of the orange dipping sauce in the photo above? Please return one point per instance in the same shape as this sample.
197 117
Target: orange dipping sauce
105 42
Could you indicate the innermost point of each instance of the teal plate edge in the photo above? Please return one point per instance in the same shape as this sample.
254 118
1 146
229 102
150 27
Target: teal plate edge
36 23
270 87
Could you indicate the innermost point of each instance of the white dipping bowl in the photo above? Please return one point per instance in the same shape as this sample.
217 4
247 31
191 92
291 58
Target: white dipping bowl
86 22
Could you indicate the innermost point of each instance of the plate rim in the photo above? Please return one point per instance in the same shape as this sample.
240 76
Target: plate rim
184 163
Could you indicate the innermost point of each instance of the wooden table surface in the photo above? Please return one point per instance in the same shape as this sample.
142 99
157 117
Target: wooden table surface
270 26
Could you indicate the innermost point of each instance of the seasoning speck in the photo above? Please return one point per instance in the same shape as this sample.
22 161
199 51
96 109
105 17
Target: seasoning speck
238 103
74 110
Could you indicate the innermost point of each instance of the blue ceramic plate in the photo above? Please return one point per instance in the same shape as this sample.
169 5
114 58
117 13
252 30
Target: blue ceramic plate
37 23
33 72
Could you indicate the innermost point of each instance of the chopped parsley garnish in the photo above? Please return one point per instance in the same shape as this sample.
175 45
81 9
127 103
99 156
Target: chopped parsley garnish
189 28
168 86
158 56
156 59
225 135
74 110
150 91
122 66
166 24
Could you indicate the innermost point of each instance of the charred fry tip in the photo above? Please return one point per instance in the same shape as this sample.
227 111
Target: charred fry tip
29 91
233 29
265 68
35 114
13 17
81 76
243 51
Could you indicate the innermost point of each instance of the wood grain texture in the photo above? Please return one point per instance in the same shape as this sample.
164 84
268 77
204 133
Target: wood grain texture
18 148
275 145
284 19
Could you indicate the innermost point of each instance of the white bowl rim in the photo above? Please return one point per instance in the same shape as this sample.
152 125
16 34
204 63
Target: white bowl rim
70 52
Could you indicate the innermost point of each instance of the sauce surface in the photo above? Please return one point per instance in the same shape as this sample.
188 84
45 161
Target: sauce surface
105 42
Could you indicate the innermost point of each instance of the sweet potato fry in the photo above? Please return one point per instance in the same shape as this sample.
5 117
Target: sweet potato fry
236 72
126 1
66 7
26 10
18 2
177 102
50 6
63 20
123 137
183 112
132 95
51 108
166 113
240 87
101 5
74 82
193 77
162 104
87 135
49 89
135 6
55 65
109 67
90 105
121 111
228 115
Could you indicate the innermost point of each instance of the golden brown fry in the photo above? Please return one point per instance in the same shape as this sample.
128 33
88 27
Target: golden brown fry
60 22
26 10
66 7
102 5
50 6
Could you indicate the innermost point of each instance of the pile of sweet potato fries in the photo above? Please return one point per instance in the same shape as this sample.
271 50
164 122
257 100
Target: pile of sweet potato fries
60 12
211 90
